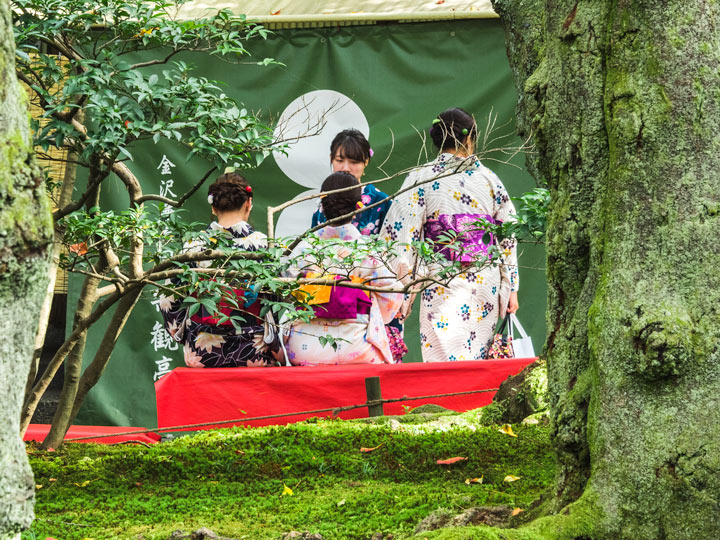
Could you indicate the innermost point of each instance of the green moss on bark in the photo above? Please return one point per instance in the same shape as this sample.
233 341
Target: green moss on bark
628 142
25 236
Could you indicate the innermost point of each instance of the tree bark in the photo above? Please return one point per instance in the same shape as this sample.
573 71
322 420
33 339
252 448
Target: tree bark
623 101
77 386
73 368
64 197
25 237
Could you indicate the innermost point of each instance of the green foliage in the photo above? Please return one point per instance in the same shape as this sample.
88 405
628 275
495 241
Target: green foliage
209 277
125 101
231 480
532 209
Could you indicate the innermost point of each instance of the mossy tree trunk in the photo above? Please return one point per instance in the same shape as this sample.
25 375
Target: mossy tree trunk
623 102
25 236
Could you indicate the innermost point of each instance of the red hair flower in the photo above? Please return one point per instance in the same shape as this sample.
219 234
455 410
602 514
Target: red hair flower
248 189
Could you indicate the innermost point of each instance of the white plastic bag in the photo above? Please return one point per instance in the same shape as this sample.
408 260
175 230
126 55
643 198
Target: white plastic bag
522 345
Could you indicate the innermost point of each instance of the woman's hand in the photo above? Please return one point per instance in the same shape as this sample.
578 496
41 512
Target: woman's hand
513 304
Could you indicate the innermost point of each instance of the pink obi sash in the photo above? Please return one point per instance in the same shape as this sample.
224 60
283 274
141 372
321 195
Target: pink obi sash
335 302
468 245
344 303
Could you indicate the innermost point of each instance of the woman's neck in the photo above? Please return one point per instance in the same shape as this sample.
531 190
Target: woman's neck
228 219
458 152
464 150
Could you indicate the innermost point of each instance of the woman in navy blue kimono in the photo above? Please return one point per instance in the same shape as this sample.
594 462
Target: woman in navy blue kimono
350 152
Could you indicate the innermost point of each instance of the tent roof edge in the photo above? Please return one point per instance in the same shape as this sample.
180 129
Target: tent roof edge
342 11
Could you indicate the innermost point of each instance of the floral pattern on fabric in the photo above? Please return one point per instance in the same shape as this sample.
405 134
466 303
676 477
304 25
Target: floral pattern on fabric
362 340
368 222
457 321
209 345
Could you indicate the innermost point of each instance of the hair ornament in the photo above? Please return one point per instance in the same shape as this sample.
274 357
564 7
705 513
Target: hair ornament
360 205
436 121
248 189
464 131
371 152
210 199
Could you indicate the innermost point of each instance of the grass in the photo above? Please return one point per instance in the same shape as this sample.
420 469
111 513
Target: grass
232 481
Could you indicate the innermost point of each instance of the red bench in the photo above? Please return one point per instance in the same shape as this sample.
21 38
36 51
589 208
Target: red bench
193 396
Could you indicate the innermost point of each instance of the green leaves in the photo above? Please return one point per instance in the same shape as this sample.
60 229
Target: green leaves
154 98
532 209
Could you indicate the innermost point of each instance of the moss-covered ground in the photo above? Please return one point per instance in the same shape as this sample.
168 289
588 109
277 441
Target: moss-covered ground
237 482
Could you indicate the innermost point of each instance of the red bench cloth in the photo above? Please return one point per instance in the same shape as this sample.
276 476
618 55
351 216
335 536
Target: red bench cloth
192 396
38 432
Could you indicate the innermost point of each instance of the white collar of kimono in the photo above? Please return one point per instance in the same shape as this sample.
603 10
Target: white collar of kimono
241 227
462 163
344 232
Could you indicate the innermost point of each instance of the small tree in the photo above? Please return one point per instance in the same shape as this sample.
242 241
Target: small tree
79 60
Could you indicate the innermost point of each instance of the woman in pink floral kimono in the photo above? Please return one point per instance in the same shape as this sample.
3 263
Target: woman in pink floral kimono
207 342
353 318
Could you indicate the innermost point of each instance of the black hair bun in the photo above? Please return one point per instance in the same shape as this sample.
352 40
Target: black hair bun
451 128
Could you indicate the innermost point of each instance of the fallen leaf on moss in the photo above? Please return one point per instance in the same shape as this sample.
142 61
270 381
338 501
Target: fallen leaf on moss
286 491
82 484
52 479
530 421
38 486
363 449
511 478
516 511
507 430
450 461
469 481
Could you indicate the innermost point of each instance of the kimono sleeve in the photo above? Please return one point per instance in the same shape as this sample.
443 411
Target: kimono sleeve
371 222
174 315
317 218
505 212
378 275
297 265
404 223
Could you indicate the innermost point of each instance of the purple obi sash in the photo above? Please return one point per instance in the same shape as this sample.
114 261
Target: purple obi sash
468 245
344 303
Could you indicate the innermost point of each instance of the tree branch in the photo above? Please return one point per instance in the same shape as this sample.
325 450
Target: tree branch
62 352
157 62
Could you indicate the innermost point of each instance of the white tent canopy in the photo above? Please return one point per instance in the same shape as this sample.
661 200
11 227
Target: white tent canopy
312 12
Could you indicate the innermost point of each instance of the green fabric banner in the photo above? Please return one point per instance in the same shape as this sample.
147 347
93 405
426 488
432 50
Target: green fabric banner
389 80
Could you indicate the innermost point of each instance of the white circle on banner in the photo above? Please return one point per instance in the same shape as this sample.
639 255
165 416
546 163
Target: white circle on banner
308 125
296 219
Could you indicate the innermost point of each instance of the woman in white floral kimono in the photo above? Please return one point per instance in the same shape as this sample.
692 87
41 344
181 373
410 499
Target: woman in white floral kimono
452 194
208 342
354 318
